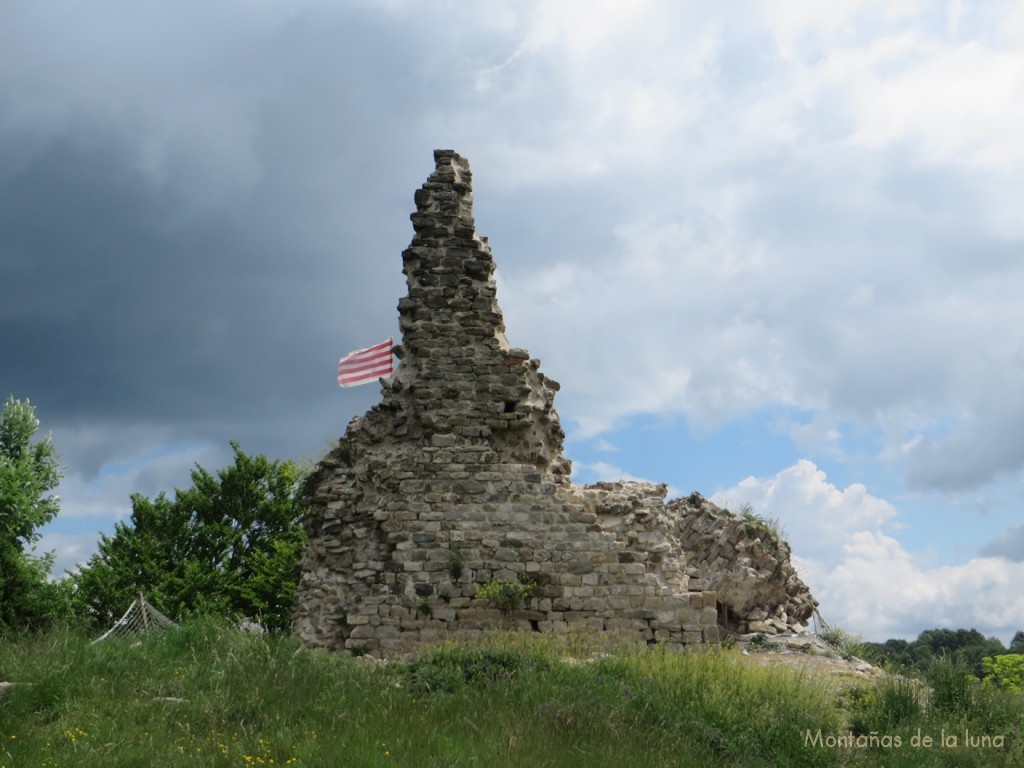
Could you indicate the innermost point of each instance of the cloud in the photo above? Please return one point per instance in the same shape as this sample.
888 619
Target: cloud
987 443
724 180
954 103
866 580
885 594
705 211
752 273
1009 544
174 258
820 518
106 496
92 502
70 550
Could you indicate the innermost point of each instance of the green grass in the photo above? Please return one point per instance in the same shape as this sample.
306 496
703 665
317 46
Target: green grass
204 695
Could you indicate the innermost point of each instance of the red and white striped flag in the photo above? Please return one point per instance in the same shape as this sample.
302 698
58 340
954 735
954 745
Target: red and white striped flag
365 365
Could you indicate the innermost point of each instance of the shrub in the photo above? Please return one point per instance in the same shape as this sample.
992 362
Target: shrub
1006 671
456 565
228 546
425 607
506 595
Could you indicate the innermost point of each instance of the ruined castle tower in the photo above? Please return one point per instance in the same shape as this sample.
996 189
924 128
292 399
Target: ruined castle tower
456 479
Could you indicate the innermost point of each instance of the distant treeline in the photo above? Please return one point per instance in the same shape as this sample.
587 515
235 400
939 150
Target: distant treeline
967 647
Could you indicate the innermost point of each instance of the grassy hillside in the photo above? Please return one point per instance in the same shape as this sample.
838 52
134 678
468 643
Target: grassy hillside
205 695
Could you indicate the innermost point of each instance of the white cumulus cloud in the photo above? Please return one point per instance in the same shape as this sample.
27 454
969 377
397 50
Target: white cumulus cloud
847 549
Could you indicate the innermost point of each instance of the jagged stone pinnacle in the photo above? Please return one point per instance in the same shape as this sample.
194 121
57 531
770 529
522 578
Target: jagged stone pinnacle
457 478
456 365
444 204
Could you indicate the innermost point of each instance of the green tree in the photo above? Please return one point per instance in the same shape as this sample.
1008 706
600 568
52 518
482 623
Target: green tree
1006 671
966 647
229 545
893 651
28 472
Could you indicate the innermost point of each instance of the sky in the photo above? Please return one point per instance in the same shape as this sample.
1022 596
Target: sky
773 252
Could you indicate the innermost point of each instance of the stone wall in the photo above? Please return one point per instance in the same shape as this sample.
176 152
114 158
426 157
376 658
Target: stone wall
457 478
746 563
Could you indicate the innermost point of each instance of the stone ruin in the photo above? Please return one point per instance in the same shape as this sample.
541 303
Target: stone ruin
457 478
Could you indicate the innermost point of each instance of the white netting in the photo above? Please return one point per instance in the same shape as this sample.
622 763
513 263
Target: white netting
820 625
140 618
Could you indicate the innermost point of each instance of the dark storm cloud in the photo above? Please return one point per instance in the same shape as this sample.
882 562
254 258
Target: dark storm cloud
108 315
986 444
203 205
196 223
1008 544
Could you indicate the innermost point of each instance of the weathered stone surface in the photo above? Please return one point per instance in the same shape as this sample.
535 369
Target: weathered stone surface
746 564
457 477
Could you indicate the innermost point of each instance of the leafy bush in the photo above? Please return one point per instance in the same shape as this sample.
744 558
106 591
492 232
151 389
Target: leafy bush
228 546
456 565
1005 671
425 607
506 595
